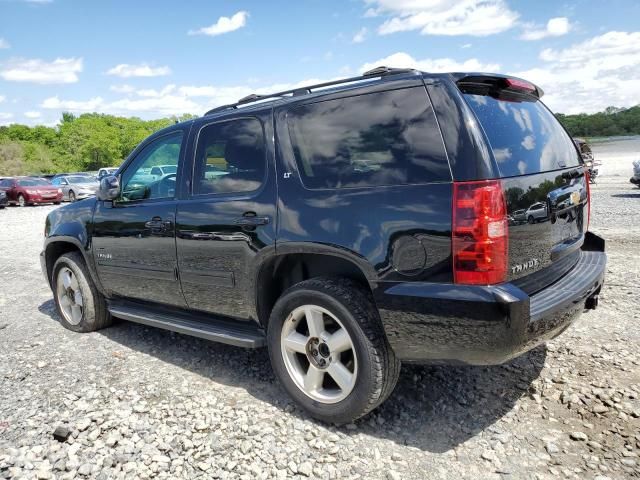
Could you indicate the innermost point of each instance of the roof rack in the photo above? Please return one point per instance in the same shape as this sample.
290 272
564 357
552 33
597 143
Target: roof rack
381 71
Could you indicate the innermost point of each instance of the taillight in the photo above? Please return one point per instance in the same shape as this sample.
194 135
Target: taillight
480 233
587 179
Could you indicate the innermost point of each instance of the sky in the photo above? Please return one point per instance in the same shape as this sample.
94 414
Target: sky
158 58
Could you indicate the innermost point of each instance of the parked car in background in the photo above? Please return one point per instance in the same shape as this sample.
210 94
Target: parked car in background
636 173
536 212
162 171
30 190
4 200
76 187
103 172
519 216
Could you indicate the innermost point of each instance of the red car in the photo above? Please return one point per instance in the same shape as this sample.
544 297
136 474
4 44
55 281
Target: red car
30 190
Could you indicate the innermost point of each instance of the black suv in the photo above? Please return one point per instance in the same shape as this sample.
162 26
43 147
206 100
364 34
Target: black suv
348 226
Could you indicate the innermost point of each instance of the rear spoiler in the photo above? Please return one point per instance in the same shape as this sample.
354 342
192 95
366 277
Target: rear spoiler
497 82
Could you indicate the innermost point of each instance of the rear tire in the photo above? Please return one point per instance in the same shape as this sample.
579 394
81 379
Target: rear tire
340 366
82 308
72 196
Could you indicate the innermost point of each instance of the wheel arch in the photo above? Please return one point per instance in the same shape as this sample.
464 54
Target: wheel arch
295 263
57 246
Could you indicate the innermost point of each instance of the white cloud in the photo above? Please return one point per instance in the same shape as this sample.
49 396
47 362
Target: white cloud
125 70
122 88
466 45
223 25
443 17
556 27
2 98
435 65
5 117
591 75
4 44
32 114
360 35
91 105
61 70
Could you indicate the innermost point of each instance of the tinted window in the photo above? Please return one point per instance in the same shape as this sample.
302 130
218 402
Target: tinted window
524 136
138 183
230 157
388 138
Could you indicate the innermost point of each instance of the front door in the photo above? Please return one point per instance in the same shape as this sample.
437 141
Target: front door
228 219
134 236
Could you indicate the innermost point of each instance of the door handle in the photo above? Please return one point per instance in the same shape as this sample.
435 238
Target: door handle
157 224
250 219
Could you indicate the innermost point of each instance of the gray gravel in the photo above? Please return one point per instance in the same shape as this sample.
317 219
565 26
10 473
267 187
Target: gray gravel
143 403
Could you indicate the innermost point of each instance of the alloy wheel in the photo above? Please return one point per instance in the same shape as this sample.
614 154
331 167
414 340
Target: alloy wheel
21 201
70 296
319 354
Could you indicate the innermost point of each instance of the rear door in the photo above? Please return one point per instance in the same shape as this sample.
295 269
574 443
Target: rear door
542 174
228 219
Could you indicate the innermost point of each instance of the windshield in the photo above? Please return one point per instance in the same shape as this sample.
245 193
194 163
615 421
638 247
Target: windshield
77 180
33 182
525 137
169 169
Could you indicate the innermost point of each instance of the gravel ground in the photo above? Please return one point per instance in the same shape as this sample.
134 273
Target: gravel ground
143 403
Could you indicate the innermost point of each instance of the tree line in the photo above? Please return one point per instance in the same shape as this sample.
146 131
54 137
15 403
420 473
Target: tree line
78 144
91 141
612 122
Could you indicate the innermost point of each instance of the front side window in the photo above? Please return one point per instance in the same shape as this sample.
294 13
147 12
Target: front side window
230 157
138 181
386 138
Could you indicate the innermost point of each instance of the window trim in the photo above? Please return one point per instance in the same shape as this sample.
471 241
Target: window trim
248 193
141 148
360 187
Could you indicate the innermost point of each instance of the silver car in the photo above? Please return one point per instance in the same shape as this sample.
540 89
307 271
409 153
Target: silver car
76 187
537 212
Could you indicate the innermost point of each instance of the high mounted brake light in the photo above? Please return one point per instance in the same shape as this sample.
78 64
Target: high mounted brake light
517 84
480 233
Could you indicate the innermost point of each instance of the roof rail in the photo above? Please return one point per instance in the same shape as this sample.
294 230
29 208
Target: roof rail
375 72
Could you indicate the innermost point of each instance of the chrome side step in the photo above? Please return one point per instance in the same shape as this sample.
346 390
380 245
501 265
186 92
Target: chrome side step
232 332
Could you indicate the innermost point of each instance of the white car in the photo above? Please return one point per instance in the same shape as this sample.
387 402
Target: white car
103 172
537 212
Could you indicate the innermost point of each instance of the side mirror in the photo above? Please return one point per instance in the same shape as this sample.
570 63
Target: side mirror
109 188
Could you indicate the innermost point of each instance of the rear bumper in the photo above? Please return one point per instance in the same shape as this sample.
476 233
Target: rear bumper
485 325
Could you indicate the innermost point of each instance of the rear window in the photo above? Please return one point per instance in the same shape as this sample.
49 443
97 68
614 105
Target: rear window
387 138
525 137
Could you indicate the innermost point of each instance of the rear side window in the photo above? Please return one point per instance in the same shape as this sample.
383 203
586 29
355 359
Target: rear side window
525 137
387 138
230 158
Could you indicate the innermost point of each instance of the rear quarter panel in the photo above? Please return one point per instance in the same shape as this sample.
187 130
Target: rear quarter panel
394 233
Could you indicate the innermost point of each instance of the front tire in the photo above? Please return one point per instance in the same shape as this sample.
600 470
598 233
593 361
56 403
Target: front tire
82 308
22 201
329 350
72 196
531 220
